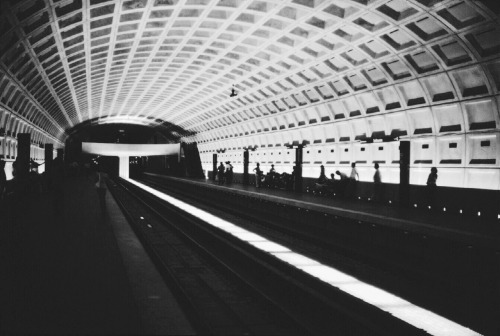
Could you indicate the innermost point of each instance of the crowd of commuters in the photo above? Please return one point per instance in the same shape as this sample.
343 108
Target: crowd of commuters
346 186
225 174
31 184
343 184
273 179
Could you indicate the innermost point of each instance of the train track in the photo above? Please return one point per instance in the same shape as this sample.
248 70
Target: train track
389 271
229 287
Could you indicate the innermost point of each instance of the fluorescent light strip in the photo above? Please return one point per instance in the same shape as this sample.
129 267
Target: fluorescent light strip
396 306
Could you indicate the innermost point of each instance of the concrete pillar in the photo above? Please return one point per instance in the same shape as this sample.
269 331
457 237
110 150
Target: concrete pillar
23 155
298 169
404 173
49 156
245 166
214 166
3 152
123 169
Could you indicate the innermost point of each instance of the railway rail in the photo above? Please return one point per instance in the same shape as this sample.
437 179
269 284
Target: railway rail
229 287
444 288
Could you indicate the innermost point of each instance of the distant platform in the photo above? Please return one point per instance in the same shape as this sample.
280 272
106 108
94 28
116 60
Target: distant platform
464 229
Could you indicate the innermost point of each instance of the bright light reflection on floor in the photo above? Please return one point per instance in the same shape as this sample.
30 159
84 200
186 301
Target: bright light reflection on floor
398 307
248 236
296 259
269 246
328 274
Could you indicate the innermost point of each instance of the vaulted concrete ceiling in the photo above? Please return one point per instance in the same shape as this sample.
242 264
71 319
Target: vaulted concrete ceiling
64 62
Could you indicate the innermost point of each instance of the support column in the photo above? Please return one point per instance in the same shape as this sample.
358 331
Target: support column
298 169
123 163
404 173
49 156
3 152
246 162
214 166
23 155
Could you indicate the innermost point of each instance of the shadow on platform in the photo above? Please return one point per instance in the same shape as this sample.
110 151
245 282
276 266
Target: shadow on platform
60 268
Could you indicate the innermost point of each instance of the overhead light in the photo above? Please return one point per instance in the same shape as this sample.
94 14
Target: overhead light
233 92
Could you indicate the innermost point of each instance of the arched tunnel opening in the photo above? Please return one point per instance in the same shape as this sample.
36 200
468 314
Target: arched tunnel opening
184 163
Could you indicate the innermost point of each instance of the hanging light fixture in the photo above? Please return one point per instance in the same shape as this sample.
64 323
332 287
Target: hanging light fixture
233 92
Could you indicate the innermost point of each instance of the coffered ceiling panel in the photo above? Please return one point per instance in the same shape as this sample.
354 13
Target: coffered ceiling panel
153 62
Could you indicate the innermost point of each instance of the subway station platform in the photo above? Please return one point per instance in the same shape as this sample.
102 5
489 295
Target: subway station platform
65 269
461 228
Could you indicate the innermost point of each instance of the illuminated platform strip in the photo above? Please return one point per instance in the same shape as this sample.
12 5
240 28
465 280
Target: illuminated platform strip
396 306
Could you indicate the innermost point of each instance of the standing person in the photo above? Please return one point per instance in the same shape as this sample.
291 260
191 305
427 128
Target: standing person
34 179
322 176
229 172
321 185
101 189
220 173
353 180
354 172
342 183
3 178
377 184
258 173
272 171
271 177
432 186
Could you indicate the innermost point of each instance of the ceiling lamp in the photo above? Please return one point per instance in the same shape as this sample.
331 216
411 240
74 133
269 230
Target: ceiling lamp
233 92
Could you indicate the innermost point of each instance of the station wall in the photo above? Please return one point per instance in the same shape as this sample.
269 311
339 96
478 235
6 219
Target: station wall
434 82
460 138
12 124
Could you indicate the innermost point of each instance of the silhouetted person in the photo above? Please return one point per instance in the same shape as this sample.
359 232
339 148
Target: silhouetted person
272 171
229 172
258 174
35 181
220 173
271 177
377 184
342 176
101 188
432 187
344 180
354 172
353 181
295 178
322 183
3 179
322 179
